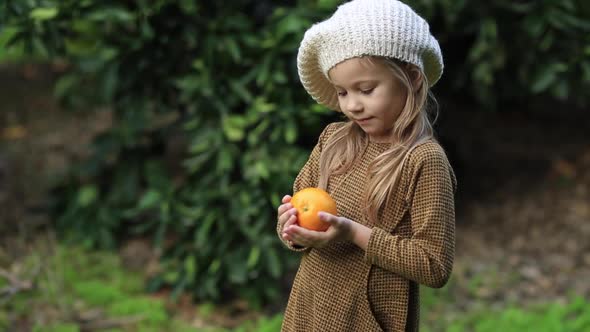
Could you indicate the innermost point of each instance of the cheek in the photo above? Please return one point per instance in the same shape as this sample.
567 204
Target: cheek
390 105
398 101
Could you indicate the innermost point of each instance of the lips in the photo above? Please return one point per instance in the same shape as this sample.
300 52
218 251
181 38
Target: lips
363 120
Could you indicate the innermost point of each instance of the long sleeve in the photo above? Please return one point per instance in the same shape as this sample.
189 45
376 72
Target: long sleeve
308 176
426 257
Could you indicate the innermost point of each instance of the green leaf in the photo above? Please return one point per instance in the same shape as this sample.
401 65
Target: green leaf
561 90
328 4
234 49
522 8
197 162
146 31
490 28
43 14
319 109
189 266
483 74
65 84
255 134
262 169
233 127
274 264
225 161
275 199
200 145
544 78
290 24
290 132
204 228
264 71
39 46
586 71
87 195
241 91
81 47
111 14
253 257
238 272
279 77
214 267
109 83
260 105
149 199
547 41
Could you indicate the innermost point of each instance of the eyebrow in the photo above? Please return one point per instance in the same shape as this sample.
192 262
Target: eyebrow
356 83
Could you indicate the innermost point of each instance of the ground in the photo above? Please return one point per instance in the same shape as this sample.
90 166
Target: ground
523 206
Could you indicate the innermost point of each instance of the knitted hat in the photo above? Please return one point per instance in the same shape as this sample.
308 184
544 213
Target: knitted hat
387 28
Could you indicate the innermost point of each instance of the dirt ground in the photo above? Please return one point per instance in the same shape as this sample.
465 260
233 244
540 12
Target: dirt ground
523 206
523 211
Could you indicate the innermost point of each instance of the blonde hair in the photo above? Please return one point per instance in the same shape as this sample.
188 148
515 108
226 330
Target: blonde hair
411 128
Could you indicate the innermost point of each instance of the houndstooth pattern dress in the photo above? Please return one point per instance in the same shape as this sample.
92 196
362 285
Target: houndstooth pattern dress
343 288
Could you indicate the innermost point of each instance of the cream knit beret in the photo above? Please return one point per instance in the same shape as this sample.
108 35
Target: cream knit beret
387 28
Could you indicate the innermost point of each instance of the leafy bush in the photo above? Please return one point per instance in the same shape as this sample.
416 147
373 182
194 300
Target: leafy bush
507 53
211 124
208 131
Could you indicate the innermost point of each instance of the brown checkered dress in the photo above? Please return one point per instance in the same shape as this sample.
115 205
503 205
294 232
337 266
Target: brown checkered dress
343 288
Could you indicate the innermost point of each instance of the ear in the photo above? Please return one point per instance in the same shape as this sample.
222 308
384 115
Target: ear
416 77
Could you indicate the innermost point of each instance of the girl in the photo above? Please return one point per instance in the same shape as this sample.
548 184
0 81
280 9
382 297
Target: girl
374 61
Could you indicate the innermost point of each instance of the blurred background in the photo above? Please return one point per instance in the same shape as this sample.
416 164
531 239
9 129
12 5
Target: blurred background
145 146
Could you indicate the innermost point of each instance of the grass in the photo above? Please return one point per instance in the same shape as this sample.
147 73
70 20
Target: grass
550 317
440 313
74 281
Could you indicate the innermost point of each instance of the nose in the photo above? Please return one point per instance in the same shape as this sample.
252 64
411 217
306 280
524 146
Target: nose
351 104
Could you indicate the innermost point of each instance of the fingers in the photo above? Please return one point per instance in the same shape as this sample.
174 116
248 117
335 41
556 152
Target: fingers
284 207
291 221
340 228
328 217
287 214
305 237
287 217
294 235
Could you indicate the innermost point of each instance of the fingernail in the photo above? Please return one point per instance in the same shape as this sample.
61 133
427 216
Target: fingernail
293 211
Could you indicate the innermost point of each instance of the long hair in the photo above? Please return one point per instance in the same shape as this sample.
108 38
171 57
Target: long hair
412 127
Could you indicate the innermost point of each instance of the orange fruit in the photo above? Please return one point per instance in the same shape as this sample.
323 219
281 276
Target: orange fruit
309 202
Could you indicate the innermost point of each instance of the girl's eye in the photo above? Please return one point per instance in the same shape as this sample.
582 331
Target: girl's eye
367 91
341 93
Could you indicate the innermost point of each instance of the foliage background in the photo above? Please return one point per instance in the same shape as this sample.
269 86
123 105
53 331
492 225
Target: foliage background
210 124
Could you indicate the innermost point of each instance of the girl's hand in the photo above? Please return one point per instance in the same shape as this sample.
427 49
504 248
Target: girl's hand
341 229
287 216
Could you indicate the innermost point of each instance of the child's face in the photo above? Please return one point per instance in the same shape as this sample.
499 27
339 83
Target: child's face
369 94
